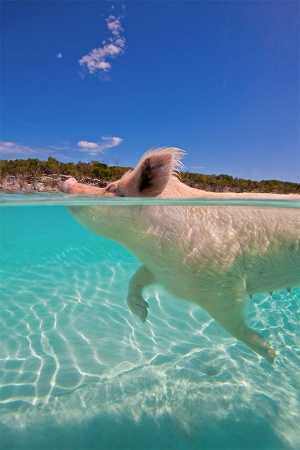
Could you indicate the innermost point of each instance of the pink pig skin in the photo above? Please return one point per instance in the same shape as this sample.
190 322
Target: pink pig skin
210 255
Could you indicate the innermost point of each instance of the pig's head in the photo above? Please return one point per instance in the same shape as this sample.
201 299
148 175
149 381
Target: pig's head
155 170
154 175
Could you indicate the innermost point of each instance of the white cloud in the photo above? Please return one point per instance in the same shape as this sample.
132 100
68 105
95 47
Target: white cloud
114 24
99 147
10 148
59 55
86 145
97 59
112 141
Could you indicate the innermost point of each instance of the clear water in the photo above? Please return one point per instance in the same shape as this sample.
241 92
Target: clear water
78 371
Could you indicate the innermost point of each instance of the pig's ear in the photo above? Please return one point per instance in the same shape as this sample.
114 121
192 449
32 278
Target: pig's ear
153 172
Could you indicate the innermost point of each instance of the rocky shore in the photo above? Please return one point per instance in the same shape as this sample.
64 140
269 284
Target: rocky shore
49 182
43 183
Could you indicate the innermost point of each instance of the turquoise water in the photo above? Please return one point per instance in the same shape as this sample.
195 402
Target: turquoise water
78 371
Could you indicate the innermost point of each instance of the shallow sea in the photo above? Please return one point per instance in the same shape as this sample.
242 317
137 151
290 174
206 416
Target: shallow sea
79 372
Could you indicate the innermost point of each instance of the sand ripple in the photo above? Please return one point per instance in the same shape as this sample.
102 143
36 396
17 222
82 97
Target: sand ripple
70 349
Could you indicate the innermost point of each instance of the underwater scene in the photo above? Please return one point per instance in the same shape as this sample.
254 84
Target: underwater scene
149 324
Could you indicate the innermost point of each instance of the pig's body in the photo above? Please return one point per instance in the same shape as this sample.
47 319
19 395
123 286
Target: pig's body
254 250
214 256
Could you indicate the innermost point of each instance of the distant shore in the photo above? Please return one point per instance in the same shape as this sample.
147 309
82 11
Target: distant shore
33 175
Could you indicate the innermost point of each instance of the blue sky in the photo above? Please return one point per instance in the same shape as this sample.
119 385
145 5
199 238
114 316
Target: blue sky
219 79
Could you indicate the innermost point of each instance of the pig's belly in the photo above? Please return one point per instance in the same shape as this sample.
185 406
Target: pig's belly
195 283
200 283
274 272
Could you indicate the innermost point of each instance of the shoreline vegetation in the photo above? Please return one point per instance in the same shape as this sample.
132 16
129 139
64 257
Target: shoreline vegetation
34 175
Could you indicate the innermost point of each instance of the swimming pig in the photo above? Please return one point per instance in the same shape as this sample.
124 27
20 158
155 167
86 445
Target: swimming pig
214 256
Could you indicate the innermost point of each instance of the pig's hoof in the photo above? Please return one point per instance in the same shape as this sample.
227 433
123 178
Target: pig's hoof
138 306
68 185
270 355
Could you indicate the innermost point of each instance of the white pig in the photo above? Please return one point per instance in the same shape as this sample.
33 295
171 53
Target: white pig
214 256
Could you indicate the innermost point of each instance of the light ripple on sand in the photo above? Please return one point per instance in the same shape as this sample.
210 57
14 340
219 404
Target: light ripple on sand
70 349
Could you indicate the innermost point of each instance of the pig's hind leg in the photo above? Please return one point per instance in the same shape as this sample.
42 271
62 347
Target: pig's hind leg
136 303
239 329
231 317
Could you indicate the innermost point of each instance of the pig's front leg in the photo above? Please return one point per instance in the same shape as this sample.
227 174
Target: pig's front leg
136 303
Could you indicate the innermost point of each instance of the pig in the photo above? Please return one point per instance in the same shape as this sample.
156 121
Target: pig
214 256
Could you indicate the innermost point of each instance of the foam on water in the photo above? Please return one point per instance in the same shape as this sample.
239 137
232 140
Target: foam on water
76 364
